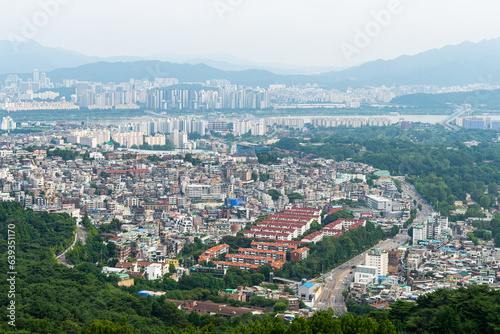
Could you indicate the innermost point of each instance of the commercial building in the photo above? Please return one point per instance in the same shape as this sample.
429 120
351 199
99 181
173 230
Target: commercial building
218 126
378 203
307 290
365 275
379 259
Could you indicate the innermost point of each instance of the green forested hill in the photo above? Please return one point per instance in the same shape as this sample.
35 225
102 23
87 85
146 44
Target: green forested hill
478 99
475 310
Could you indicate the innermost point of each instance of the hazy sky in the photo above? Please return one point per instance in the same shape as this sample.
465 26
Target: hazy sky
312 32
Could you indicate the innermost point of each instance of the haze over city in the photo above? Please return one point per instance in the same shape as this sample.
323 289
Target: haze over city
280 31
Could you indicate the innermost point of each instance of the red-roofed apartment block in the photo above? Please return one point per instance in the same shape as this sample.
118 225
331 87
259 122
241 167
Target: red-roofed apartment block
299 254
213 252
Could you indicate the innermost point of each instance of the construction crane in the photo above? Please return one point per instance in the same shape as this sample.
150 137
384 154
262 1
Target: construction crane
48 198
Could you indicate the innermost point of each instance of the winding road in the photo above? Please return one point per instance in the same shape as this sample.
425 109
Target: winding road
80 235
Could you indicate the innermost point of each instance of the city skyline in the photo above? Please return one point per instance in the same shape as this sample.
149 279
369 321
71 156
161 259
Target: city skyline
39 92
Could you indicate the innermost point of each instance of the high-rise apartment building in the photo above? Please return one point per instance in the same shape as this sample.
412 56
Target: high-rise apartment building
379 259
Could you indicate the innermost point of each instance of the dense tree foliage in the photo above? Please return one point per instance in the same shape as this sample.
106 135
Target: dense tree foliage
263 177
94 250
294 196
494 227
337 215
236 242
64 154
472 310
275 194
55 232
166 147
359 309
188 157
114 225
332 251
267 158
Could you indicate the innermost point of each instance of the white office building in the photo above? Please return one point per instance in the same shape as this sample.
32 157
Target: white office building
379 259
379 203
419 233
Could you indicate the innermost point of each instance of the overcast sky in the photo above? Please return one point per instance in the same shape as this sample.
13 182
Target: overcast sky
302 32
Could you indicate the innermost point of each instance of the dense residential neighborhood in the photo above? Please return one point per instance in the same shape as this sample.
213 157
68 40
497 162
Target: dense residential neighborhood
168 215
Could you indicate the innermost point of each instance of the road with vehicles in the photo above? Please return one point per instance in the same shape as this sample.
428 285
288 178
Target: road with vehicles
339 278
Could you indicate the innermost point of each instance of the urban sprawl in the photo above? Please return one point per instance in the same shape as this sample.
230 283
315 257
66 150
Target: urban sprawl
206 187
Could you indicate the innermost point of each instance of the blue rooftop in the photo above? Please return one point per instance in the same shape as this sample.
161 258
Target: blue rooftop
308 285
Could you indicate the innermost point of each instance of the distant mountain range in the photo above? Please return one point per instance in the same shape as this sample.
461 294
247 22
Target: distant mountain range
230 63
124 71
451 65
26 56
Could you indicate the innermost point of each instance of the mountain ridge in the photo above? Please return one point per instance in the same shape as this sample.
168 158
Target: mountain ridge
460 64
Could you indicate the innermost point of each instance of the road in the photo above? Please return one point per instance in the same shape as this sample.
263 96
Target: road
339 278
427 209
80 235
